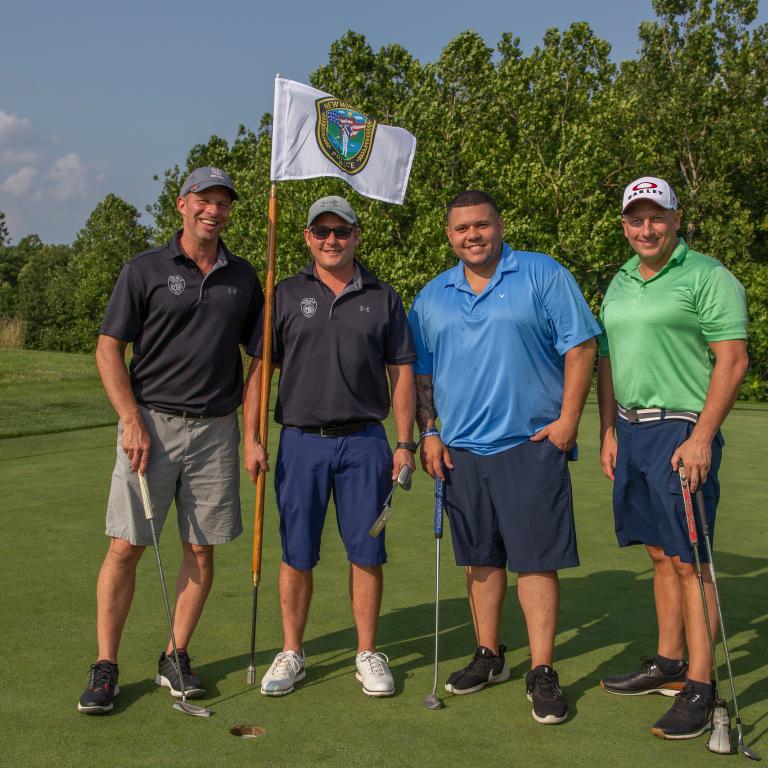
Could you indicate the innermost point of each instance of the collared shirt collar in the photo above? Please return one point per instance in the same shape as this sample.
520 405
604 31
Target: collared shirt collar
631 267
508 262
361 277
175 251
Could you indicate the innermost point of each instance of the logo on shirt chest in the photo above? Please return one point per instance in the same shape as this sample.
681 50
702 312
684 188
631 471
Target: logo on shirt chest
308 307
176 285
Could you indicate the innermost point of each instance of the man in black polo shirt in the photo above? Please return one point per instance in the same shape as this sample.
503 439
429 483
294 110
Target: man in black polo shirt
339 335
186 307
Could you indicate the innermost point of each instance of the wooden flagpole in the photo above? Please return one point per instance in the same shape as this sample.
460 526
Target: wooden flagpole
266 381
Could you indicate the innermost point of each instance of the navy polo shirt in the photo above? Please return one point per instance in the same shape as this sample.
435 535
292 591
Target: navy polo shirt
333 350
186 328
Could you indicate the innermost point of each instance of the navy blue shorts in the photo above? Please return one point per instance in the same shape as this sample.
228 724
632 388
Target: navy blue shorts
647 500
512 509
356 469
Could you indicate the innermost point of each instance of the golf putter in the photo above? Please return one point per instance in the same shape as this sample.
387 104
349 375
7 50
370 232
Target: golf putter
743 748
149 513
719 740
430 700
404 481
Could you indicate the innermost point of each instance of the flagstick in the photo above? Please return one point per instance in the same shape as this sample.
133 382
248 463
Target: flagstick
266 380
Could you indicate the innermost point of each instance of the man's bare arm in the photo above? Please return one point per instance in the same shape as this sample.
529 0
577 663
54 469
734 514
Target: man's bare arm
434 454
110 360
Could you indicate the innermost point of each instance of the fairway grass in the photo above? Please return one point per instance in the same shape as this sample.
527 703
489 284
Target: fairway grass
51 546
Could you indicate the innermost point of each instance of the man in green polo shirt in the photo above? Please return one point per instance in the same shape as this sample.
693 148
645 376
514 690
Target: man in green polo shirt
672 359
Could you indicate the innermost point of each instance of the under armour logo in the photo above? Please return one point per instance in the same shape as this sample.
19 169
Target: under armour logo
501 295
364 309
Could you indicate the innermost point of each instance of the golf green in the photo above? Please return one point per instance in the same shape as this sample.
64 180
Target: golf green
51 546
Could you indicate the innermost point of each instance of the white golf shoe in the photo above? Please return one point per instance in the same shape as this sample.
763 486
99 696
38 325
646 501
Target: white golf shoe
374 674
286 669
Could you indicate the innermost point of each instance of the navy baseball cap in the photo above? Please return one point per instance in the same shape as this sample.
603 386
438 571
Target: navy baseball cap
203 178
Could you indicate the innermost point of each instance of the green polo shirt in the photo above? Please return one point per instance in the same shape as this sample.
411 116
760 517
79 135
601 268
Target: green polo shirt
656 331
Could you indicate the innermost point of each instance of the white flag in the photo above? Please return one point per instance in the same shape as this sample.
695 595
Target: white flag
315 134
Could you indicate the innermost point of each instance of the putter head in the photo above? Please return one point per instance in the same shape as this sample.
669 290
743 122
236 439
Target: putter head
432 702
381 521
404 477
191 709
250 675
719 740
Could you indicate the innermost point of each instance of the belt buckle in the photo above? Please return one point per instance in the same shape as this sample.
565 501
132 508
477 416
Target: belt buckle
326 432
631 415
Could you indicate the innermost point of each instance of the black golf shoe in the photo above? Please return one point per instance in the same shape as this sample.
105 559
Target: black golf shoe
98 697
484 668
543 690
650 679
169 677
690 715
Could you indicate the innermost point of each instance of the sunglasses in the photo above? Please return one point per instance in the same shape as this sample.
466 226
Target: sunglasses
323 233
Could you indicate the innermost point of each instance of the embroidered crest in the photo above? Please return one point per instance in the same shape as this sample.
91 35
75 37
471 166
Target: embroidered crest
308 307
176 285
344 135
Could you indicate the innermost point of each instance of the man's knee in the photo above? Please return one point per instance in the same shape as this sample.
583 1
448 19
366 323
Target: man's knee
124 554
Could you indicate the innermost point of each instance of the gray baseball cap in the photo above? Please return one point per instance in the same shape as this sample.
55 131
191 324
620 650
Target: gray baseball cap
332 204
203 178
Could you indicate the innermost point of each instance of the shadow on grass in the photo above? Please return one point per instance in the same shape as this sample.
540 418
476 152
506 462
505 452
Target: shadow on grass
604 609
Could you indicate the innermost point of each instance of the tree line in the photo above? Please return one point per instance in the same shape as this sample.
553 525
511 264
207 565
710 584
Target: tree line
554 136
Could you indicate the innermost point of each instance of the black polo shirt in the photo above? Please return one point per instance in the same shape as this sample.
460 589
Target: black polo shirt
333 350
186 328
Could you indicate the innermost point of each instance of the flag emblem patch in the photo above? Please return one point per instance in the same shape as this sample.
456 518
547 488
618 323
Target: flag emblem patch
344 135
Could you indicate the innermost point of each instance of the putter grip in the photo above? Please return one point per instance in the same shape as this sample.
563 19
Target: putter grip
438 508
149 512
702 512
690 520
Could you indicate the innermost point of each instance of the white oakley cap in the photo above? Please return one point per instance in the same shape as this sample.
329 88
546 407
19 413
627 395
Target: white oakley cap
650 188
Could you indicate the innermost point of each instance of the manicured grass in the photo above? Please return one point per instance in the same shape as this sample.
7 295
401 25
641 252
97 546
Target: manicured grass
44 392
51 546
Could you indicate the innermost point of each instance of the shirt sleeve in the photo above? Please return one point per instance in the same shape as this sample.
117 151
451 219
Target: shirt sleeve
602 339
127 309
423 364
398 345
571 319
721 306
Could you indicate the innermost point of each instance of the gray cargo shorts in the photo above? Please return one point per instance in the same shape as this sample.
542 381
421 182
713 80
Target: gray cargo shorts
194 462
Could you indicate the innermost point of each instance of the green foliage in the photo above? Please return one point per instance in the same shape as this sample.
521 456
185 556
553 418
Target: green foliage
554 136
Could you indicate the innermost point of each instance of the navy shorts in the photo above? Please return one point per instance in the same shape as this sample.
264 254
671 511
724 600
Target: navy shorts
356 469
647 500
512 509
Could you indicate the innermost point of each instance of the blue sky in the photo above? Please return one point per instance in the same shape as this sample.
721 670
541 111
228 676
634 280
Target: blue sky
97 97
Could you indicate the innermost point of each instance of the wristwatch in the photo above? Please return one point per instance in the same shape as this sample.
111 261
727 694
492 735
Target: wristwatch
408 446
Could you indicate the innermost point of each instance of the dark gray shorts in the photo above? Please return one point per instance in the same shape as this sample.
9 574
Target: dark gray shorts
194 462
513 508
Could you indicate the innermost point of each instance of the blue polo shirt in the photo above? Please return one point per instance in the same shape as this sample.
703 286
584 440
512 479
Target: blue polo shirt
496 358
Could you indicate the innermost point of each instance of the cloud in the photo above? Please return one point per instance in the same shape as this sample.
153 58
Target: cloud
13 127
34 174
20 183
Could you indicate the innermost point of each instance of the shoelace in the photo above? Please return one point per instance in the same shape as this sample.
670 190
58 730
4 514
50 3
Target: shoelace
374 661
185 662
101 675
478 663
545 685
684 699
647 663
284 660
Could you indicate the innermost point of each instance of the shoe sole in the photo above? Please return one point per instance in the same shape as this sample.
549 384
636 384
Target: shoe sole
285 691
191 693
547 719
502 677
671 689
659 734
375 694
98 709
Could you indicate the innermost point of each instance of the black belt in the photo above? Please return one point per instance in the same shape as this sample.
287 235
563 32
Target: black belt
335 430
181 414
641 415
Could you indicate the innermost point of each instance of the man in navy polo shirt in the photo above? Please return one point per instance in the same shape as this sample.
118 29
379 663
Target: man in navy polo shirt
186 307
505 348
341 341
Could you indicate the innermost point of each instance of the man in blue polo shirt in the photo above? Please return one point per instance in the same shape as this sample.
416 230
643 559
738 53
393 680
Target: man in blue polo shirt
505 348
